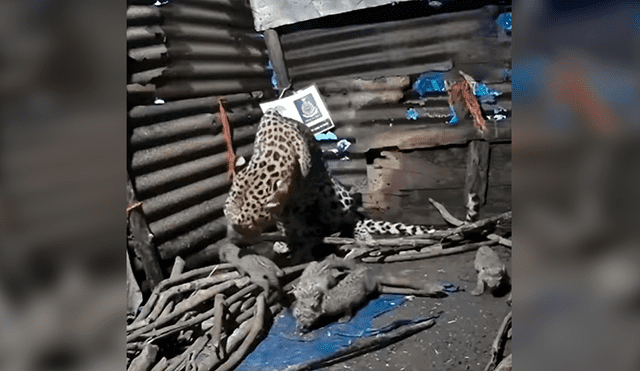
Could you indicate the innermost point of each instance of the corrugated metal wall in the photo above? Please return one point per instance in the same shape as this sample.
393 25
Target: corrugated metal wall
183 57
395 53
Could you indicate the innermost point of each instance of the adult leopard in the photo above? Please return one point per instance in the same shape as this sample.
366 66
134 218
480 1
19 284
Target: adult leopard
286 182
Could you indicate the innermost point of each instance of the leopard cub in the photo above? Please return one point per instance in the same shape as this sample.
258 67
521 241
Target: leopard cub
492 274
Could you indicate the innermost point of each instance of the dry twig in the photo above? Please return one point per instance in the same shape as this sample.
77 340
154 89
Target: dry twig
446 215
216 330
429 254
145 359
161 365
248 342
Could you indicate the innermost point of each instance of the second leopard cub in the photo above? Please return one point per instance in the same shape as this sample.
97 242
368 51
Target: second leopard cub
323 295
492 273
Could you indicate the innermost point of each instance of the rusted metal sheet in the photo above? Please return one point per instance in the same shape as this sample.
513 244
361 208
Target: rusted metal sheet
362 50
391 83
183 107
183 220
187 148
468 40
168 202
234 18
184 57
181 89
142 13
194 239
145 34
171 177
165 131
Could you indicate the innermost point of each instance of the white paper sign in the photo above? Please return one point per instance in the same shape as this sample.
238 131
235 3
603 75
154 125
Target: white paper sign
306 106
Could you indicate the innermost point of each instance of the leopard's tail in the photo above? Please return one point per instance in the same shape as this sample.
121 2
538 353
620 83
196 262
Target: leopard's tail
382 227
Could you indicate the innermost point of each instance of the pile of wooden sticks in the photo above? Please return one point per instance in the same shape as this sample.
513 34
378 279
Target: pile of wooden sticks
204 319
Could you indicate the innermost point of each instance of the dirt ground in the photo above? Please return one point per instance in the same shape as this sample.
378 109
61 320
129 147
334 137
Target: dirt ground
461 338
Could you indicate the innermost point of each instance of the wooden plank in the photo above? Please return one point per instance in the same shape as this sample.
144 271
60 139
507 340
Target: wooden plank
476 177
413 207
142 242
272 41
500 164
419 169
498 201
407 137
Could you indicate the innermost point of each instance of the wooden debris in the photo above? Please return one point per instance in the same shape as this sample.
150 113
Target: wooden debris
446 215
256 328
216 330
497 348
501 240
505 365
434 253
218 337
134 295
145 359
161 365
211 317
178 266
142 238
437 243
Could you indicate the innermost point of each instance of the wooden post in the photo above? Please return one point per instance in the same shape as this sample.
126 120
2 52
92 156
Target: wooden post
477 176
142 243
277 57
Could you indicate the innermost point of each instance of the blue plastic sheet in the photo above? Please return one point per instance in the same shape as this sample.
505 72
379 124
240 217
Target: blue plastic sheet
454 118
326 136
412 114
343 147
274 77
285 346
429 83
504 20
485 94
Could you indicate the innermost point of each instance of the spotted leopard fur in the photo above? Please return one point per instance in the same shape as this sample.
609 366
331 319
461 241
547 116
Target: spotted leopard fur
286 181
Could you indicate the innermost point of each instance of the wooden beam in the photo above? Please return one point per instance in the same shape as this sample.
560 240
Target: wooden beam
277 57
142 241
477 171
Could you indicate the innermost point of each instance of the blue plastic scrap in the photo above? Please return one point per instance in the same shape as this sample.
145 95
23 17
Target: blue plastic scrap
504 20
454 118
326 136
430 83
274 77
412 114
486 94
507 74
343 146
499 113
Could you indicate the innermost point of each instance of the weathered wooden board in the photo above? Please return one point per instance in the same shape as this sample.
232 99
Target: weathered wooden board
500 164
418 169
498 200
413 207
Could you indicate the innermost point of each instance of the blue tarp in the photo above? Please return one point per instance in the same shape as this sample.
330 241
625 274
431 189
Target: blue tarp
285 346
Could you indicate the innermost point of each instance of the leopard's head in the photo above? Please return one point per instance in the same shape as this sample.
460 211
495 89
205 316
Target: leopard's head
308 306
260 191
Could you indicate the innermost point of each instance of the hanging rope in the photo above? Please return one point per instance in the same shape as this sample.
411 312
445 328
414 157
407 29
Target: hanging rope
226 133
